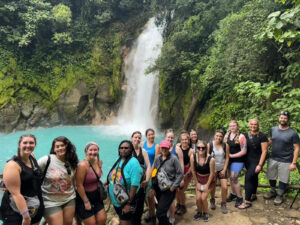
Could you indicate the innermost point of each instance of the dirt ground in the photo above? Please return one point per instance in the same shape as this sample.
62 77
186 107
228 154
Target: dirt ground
262 212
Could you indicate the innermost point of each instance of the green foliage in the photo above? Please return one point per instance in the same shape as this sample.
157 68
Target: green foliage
62 15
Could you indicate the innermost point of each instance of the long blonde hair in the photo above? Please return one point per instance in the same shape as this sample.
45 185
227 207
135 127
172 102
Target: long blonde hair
237 137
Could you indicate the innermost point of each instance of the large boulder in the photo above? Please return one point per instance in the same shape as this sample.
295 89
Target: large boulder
9 117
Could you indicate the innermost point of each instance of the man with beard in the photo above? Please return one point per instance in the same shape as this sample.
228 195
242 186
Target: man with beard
285 149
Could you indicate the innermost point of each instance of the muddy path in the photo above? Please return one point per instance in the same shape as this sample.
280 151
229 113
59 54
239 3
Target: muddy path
262 212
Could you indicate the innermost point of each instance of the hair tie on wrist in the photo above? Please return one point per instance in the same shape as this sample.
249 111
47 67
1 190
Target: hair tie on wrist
85 201
24 212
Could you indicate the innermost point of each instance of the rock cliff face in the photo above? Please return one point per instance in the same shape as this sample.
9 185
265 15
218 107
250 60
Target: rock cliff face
81 105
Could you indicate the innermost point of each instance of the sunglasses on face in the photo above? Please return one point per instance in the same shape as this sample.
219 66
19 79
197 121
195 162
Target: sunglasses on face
124 148
201 148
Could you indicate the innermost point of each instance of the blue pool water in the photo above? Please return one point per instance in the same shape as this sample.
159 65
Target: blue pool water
108 138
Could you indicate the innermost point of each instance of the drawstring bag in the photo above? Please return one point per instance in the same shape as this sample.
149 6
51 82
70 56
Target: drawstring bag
164 182
33 204
120 193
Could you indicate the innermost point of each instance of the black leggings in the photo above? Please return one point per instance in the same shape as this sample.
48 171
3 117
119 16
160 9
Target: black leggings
140 198
251 179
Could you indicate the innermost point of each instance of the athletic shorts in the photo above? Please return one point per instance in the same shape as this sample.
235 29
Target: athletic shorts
55 209
236 167
97 205
219 176
278 170
204 179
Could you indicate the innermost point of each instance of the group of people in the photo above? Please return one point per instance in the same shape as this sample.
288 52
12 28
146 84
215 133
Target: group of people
58 186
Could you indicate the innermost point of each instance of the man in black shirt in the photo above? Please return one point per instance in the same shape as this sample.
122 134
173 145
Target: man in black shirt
285 150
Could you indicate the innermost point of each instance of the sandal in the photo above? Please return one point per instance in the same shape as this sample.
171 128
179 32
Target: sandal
245 205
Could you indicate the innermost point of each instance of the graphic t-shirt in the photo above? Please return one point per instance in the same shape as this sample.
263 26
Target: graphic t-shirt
133 173
57 188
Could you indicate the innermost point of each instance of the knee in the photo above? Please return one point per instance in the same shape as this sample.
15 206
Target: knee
234 179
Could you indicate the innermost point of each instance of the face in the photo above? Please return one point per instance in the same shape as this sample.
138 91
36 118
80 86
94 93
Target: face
150 136
136 139
193 136
124 149
27 145
218 137
253 125
170 137
283 120
233 127
201 148
184 140
165 151
60 148
92 152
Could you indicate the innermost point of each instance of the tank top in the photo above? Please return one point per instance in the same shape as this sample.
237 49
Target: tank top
139 157
234 148
204 169
186 158
150 151
90 182
219 156
30 185
173 152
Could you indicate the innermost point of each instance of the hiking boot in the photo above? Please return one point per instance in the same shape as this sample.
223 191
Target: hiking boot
238 202
231 197
197 216
212 203
205 217
278 200
224 208
270 195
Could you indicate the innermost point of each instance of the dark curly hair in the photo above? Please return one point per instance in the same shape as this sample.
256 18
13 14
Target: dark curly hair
71 156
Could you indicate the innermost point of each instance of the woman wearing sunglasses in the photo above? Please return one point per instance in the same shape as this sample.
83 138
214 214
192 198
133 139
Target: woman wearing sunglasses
58 188
203 170
124 182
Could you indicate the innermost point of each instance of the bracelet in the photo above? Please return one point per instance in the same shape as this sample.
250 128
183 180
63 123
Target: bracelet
24 212
85 201
26 218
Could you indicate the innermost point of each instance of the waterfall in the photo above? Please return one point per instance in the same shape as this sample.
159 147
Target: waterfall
139 108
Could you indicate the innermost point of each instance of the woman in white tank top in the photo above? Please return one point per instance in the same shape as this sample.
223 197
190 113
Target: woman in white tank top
220 151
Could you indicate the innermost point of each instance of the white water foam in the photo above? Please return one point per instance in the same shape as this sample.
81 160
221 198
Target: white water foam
139 109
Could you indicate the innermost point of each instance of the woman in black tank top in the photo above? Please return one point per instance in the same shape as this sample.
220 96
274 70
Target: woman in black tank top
142 157
184 147
22 177
203 169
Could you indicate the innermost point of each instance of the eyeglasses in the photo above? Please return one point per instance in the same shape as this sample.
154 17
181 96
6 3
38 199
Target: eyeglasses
124 148
68 168
201 148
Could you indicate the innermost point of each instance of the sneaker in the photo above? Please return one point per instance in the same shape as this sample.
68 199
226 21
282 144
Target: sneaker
238 202
205 217
278 200
212 203
183 209
197 216
172 221
270 195
231 197
178 210
224 208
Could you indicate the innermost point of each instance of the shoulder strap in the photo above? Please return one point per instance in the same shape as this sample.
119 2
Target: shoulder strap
94 171
211 145
46 168
162 162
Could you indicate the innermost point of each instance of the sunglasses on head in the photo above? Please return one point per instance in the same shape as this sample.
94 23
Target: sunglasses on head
201 148
285 114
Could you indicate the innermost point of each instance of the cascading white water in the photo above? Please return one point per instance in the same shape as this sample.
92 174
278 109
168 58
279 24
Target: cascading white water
139 108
